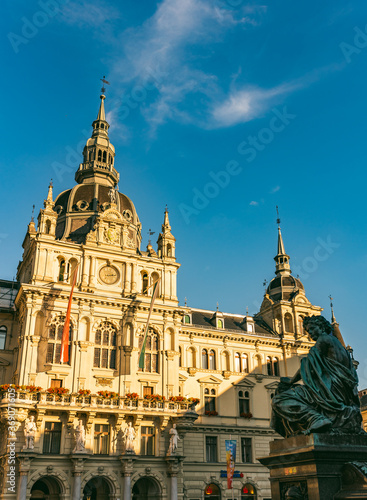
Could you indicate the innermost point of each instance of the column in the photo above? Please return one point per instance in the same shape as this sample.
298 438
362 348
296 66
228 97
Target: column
127 463
92 269
24 467
78 468
22 485
76 485
173 464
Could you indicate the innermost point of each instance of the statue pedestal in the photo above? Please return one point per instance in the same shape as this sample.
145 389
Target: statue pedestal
314 466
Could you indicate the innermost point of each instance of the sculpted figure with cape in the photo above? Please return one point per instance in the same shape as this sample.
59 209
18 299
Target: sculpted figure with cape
327 401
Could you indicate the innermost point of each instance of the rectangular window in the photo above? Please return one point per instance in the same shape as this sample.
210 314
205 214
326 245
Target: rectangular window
3 331
56 382
147 441
209 403
211 449
246 448
113 359
104 358
101 439
147 390
50 353
52 438
244 405
97 355
57 353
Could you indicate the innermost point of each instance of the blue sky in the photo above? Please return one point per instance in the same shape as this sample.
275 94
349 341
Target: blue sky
273 94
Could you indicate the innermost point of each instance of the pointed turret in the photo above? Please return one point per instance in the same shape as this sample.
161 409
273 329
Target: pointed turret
166 241
282 267
98 154
335 324
48 202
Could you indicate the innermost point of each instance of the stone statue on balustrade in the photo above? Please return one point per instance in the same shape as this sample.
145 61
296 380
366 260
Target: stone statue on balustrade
327 400
30 430
79 438
129 437
173 441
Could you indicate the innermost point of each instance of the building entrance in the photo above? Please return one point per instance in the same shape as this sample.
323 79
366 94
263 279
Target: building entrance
146 488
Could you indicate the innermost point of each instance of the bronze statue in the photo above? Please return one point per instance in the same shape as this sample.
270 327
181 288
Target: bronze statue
328 399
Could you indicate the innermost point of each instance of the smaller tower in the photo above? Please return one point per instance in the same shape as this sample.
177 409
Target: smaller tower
166 241
47 217
282 267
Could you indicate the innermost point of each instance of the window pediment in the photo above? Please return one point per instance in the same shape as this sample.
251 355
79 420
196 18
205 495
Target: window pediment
209 380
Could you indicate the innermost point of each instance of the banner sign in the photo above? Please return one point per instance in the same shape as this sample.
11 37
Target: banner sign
231 458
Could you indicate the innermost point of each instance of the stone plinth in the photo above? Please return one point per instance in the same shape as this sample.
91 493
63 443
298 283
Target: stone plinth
312 465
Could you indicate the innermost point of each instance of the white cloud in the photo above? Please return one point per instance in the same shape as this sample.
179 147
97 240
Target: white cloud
254 203
160 48
85 13
275 190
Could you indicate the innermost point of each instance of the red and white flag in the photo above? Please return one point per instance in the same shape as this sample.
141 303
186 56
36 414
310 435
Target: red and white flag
64 354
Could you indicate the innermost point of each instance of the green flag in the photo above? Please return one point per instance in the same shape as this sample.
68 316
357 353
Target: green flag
142 352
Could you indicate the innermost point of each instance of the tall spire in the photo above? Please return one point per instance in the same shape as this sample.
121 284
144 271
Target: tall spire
99 153
166 225
282 259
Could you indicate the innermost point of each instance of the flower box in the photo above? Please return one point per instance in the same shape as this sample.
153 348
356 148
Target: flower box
108 394
132 395
211 413
84 392
246 415
59 391
154 397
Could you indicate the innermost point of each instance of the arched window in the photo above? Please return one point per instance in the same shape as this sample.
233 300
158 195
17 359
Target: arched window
105 156
244 363
269 365
244 403
3 332
187 319
191 357
288 322
55 338
62 270
248 492
102 125
48 227
180 357
169 250
151 351
212 491
109 159
145 283
212 360
99 155
105 346
210 399
272 365
237 362
300 325
204 359
220 323
276 367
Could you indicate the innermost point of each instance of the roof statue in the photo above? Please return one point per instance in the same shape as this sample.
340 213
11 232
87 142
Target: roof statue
328 400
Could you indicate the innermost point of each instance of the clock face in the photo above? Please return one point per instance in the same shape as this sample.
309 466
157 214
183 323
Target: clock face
109 275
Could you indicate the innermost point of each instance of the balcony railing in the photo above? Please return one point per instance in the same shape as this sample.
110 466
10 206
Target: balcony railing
93 401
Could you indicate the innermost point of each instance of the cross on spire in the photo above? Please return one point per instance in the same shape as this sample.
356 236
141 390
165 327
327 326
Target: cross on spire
104 81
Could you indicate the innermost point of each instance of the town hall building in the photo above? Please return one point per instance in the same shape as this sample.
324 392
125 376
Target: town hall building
208 376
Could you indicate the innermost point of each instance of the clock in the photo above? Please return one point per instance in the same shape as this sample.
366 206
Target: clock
109 275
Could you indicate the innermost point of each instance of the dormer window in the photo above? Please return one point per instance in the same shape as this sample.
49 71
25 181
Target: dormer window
250 327
220 323
187 319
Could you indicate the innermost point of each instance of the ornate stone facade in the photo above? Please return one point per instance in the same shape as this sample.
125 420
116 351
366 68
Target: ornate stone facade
230 363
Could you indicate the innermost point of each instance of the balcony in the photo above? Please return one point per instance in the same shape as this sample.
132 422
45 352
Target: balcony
93 402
